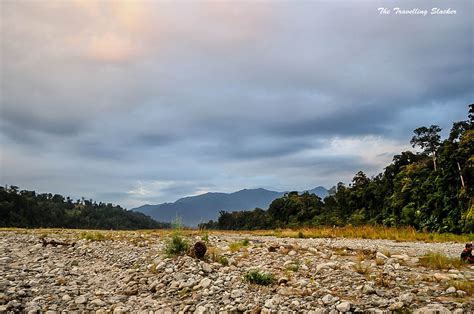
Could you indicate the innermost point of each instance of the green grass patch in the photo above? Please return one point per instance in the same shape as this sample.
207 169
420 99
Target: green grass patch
259 278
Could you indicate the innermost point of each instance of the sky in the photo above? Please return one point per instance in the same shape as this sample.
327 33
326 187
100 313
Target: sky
145 102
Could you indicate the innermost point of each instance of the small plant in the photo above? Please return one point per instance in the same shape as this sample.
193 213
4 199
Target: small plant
235 246
259 278
362 268
293 267
245 242
215 255
176 245
93 236
223 260
440 261
300 234
205 237
379 261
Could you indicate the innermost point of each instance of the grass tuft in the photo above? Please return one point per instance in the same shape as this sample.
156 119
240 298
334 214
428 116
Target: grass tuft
259 278
439 261
215 255
362 268
464 285
93 236
368 232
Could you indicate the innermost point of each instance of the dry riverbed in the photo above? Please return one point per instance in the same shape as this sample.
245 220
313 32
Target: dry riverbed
130 273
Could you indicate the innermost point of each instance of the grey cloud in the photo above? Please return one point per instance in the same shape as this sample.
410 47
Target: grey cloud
217 95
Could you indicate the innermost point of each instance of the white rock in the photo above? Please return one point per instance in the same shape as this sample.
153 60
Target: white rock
325 266
269 303
206 282
97 302
236 294
344 306
381 256
66 298
80 300
451 290
441 277
407 298
432 309
206 267
327 299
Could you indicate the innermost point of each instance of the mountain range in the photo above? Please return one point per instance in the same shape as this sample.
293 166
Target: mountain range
201 208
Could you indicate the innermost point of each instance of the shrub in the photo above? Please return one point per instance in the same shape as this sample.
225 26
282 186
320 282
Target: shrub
259 278
176 245
223 260
245 242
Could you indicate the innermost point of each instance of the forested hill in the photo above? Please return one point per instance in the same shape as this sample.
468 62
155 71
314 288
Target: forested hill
195 209
27 209
432 190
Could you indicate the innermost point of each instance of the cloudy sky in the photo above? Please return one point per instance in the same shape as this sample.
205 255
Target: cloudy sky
145 102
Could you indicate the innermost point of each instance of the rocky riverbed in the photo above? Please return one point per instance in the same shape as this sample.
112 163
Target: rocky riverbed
128 272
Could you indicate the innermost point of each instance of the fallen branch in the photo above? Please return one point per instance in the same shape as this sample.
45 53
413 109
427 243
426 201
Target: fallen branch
56 243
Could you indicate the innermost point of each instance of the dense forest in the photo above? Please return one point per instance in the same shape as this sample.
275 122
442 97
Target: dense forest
27 209
431 190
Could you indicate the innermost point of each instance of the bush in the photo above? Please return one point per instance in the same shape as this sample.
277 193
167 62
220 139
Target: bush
176 245
259 278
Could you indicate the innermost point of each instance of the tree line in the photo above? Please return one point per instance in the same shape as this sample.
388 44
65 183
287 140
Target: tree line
28 209
431 190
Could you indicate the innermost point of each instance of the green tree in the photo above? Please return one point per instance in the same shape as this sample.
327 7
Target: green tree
428 139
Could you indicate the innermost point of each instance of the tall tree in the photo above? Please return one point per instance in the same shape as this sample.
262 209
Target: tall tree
428 139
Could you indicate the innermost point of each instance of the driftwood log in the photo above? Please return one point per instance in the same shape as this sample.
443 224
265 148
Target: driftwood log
55 243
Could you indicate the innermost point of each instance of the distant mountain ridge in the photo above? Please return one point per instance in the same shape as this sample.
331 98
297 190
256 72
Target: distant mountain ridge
202 208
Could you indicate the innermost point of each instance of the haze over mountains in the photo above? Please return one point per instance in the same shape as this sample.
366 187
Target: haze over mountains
202 208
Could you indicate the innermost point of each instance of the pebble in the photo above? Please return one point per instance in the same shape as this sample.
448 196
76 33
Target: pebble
132 274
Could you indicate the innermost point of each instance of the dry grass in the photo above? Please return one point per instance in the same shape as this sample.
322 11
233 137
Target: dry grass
379 262
383 280
362 268
215 255
361 232
94 236
464 285
235 246
440 261
368 232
